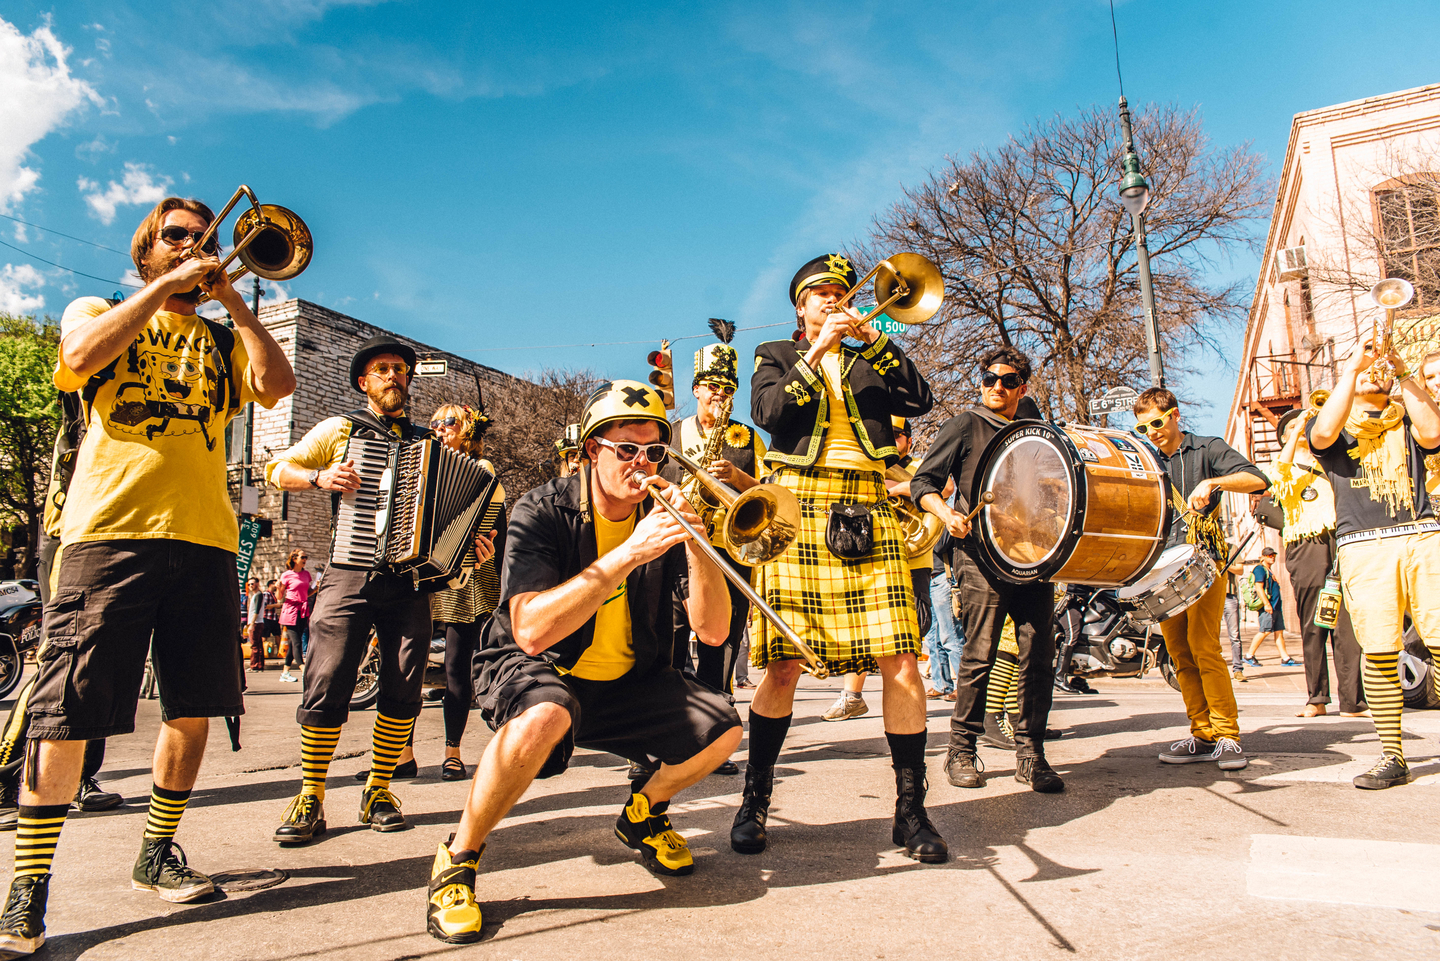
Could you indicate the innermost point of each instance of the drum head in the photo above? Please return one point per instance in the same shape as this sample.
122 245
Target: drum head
1026 531
1165 567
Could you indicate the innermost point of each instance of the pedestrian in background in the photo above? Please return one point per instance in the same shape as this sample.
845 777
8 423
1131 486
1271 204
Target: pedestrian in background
1272 618
294 609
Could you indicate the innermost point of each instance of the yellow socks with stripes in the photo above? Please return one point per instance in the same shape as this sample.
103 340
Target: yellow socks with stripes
166 807
317 747
1386 699
1000 691
36 833
388 742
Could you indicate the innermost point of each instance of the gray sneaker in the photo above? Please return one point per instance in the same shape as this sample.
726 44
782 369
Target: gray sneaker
1190 751
161 868
1229 754
846 706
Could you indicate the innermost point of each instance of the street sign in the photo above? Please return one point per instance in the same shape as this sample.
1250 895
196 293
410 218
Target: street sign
431 368
882 323
1116 399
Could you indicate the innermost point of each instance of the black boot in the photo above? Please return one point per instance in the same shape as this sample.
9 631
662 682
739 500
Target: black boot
913 828
998 732
1034 770
747 835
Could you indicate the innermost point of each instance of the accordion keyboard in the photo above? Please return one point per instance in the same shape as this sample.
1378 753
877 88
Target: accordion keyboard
356 543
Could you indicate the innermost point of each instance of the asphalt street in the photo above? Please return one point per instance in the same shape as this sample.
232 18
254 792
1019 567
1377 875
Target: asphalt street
1135 860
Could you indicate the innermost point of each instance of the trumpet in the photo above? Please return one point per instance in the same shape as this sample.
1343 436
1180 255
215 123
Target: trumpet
270 241
1390 295
1316 400
817 666
908 289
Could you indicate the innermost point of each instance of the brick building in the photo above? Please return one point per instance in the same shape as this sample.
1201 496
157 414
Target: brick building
319 344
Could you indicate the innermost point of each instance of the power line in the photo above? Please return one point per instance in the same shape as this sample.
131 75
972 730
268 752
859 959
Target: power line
78 240
78 273
1115 33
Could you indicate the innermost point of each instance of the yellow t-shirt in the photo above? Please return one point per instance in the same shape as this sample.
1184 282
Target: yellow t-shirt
612 650
841 448
152 464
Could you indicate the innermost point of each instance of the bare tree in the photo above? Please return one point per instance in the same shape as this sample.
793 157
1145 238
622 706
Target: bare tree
526 418
1038 253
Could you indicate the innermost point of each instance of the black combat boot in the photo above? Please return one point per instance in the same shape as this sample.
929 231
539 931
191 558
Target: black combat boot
747 835
913 828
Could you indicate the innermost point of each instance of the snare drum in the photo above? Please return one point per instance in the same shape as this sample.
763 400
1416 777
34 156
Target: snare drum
1178 579
1074 505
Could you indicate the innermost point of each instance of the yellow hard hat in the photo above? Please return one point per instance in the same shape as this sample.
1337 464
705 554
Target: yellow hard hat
623 400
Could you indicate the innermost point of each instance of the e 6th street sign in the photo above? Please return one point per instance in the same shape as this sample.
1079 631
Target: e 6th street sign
1116 399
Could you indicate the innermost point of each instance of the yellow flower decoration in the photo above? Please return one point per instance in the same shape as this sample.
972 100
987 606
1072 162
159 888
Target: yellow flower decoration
738 436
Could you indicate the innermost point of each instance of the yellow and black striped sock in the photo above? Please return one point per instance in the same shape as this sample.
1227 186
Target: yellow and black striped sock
1434 668
166 809
387 743
317 747
1000 692
1386 699
36 833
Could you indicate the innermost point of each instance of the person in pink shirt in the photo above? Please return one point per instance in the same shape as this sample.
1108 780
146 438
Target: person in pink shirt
294 608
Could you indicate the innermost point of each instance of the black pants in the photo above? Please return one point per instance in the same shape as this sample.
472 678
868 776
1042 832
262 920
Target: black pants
714 666
986 601
461 640
1307 561
347 605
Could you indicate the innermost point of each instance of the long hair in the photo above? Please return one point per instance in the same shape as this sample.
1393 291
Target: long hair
145 234
294 556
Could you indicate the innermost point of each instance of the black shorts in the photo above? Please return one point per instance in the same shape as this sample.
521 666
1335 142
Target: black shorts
110 598
660 715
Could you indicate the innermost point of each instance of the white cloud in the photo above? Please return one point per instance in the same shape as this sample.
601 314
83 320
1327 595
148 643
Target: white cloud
13 300
94 149
21 234
39 93
138 186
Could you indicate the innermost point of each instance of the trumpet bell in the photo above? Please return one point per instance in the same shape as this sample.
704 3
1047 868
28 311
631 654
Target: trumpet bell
1392 293
927 287
283 247
761 524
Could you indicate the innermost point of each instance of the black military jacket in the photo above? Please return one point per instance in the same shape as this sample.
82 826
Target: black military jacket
789 400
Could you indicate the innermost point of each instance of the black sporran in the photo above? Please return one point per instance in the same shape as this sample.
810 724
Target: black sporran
850 533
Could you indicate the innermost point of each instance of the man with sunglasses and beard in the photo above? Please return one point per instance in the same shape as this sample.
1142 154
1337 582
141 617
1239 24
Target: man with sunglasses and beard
148 541
351 600
1201 469
578 652
987 600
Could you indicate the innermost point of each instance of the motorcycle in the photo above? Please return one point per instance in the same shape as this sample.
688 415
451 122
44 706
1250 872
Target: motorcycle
20 617
367 681
1096 637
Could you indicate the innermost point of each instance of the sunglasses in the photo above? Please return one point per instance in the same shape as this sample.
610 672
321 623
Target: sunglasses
450 421
177 236
1157 423
724 390
1009 381
384 367
654 453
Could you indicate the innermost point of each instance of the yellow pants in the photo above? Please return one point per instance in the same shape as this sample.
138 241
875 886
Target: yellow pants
1382 580
1193 639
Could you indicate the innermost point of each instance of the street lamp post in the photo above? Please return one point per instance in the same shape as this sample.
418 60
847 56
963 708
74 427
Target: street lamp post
1135 195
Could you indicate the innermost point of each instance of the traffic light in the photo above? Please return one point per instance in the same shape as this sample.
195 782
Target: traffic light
663 375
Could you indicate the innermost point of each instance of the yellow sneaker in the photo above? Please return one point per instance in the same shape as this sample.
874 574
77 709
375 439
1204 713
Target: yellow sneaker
662 850
452 914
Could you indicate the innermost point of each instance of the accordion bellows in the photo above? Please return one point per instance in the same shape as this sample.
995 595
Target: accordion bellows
416 513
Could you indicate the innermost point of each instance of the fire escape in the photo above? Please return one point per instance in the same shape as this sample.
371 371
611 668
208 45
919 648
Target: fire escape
1278 383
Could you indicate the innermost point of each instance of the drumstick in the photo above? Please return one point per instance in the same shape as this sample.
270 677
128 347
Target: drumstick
985 498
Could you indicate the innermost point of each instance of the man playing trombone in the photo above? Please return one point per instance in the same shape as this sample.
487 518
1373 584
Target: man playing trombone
578 652
843 584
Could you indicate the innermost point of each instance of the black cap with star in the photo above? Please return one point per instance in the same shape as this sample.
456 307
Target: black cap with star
825 269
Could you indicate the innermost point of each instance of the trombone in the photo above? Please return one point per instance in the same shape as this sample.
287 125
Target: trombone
758 525
271 241
908 289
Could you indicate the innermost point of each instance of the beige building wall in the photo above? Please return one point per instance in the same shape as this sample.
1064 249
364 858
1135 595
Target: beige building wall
1302 321
319 344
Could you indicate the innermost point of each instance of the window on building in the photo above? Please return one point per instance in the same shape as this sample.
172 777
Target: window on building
1407 214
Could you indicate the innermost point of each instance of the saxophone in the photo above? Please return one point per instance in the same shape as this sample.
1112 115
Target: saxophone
700 498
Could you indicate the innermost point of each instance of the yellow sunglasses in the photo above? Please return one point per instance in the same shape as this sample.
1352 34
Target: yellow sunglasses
1157 423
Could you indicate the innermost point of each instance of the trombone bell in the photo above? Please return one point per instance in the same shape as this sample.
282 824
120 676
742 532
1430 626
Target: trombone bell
761 524
283 246
923 291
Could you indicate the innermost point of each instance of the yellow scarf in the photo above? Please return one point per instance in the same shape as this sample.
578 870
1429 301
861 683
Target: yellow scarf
1383 456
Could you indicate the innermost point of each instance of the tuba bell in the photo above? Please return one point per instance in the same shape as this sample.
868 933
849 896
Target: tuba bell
919 528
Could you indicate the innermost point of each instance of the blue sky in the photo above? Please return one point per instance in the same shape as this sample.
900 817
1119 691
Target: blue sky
493 177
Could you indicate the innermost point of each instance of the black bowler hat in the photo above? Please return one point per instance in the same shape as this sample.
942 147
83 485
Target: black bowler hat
1285 420
825 269
379 344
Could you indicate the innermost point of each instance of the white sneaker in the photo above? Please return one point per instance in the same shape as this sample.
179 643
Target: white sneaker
845 707
288 677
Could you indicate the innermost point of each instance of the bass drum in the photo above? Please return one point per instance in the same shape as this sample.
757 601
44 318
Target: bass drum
1074 505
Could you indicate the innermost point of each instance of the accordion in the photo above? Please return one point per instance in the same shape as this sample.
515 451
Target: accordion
416 513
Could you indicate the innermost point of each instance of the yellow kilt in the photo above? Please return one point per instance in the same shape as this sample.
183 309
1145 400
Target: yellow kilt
850 612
